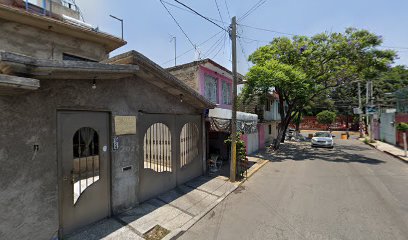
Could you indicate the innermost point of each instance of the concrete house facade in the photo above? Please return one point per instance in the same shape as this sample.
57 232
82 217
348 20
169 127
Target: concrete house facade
84 136
214 82
268 117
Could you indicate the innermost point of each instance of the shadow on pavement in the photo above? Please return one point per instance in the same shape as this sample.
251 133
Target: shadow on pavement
302 151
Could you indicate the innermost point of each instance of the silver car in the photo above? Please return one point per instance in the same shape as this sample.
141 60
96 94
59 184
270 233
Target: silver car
323 139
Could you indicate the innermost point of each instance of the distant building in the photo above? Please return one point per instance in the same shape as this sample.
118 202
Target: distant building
269 117
214 82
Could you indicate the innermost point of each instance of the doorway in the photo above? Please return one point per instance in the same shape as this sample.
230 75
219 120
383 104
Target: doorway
83 168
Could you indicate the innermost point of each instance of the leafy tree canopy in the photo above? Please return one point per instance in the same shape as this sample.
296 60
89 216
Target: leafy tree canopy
326 117
303 68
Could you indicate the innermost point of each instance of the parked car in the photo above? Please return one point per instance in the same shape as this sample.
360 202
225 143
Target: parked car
323 139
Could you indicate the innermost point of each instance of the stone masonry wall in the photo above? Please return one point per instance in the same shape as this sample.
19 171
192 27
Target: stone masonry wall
188 76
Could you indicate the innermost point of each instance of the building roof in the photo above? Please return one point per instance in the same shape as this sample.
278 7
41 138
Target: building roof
161 77
56 24
202 62
130 64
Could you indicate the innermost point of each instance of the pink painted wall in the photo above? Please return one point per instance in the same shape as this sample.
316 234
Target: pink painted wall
261 136
221 78
245 139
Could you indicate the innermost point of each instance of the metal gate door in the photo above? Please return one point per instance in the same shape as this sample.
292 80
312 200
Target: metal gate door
170 152
83 162
387 129
156 156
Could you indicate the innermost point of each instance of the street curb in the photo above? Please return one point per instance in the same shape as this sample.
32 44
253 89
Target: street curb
180 231
396 156
387 152
256 169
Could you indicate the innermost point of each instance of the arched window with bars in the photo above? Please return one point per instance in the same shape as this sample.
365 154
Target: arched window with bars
85 169
189 140
157 148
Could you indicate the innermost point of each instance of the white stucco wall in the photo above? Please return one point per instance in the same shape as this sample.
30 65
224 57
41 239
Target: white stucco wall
227 114
252 143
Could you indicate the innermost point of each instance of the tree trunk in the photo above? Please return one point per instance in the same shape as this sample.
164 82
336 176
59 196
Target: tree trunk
282 129
298 115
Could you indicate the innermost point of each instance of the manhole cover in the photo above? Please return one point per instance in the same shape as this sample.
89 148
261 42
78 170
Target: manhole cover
156 233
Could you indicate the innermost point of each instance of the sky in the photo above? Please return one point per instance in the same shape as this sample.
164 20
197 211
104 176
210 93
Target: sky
149 29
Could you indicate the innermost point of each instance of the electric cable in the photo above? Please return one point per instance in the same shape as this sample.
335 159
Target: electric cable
199 14
185 34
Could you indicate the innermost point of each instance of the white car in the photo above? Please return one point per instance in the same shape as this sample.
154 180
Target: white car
322 139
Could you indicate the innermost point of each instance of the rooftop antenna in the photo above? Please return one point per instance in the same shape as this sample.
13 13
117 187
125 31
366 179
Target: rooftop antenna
121 22
175 48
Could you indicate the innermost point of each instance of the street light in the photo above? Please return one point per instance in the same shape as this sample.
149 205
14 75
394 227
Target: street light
121 22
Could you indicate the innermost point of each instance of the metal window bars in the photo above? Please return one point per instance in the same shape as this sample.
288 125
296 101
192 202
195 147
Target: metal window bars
188 144
85 171
157 148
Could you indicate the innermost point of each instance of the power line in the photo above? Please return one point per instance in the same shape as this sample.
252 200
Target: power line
226 5
186 10
199 14
213 47
254 40
219 12
185 34
292 34
267 30
200 44
252 9
221 48
243 52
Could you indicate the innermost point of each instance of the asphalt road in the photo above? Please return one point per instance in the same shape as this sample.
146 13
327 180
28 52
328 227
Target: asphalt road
351 192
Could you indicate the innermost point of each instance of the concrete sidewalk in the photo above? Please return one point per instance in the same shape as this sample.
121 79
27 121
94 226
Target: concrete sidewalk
175 211
390 149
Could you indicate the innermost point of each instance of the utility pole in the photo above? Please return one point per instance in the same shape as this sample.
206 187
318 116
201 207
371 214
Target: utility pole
370 105
372 116
233 166
360 117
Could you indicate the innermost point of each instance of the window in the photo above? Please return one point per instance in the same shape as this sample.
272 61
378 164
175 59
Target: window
270 129
268 105
226 93
210 88
85 170
157 148
70 57
188 144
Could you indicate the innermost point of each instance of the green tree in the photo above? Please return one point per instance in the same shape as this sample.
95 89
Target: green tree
303 68
326 117
390 81
403 127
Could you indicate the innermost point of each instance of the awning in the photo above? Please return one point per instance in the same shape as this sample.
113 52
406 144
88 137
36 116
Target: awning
224 125
220 121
